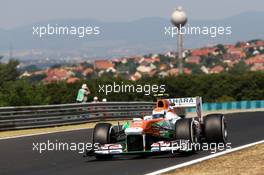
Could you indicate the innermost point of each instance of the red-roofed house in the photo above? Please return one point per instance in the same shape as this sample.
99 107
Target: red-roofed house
258 59
202 51
216 69
116 60
187 71
57 74
229 46
257 67
238 52
175 71
87 71
72 80
103 64
193 60
259 43
40 72
243 44
147 61
163 67
230 59
136 76
78 68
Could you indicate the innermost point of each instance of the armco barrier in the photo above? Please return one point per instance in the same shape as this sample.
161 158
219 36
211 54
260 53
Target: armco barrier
227 106
55 115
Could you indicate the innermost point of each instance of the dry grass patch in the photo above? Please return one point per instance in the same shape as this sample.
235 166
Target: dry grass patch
243 162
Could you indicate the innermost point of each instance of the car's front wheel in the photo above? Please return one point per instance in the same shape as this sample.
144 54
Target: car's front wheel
103 133
185 130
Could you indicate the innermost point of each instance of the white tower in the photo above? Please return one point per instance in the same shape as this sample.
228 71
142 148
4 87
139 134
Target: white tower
179 19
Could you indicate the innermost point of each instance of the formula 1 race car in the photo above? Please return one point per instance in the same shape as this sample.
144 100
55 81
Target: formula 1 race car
162 132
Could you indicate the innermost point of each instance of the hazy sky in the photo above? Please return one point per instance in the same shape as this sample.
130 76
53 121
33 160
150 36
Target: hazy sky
19 12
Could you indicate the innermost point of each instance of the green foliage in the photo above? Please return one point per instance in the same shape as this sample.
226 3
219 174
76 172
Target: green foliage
213 88
221 48
56 66
194 67
211 60
36 78
166 60
249 52
132 66
239 68
30 68
87 65
129 67
22 93
8 72
61 92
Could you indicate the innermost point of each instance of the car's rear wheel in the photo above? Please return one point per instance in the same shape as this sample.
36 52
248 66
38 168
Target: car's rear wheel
215 128
103 134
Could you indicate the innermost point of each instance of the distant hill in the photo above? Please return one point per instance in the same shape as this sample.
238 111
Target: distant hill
129 38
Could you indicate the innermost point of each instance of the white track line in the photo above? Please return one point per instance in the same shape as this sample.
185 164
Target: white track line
42 133
203 158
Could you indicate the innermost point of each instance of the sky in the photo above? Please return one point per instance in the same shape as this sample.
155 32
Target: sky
16 13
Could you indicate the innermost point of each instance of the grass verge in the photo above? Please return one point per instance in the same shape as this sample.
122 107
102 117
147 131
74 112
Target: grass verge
243 162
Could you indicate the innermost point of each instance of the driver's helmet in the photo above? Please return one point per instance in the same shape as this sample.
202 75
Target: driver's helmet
158 113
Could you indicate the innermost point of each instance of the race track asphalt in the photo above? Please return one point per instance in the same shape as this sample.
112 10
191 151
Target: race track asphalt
18 158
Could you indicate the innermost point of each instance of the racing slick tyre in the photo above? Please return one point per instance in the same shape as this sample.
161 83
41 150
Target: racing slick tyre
215 128
185 129
103 134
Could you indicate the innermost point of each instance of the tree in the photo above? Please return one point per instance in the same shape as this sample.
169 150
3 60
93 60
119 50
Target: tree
239 68
212 87
221 48
36 78
23 93
30 68
8 72
196 69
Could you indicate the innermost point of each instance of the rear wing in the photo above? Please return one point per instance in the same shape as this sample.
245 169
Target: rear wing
188 102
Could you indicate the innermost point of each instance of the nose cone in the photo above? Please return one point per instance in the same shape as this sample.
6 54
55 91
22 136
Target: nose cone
134 131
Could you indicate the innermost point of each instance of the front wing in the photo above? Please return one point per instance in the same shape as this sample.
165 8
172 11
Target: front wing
158 148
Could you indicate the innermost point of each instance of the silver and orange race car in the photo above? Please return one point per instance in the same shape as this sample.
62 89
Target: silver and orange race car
162 132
